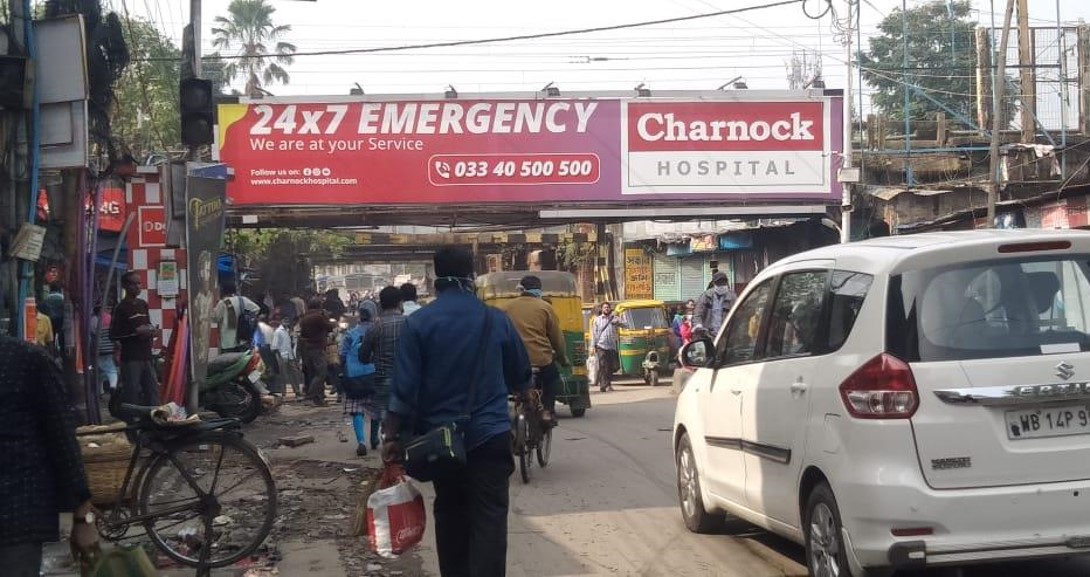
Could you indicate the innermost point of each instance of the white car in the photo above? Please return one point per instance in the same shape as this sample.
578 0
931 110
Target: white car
900 403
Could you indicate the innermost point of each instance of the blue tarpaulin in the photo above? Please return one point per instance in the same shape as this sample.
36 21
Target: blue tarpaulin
104 259
226 265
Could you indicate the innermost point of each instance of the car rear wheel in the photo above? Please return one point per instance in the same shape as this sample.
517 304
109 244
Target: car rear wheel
825 554
697 519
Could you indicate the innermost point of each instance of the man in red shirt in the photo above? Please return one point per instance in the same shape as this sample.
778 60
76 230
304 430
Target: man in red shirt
314 329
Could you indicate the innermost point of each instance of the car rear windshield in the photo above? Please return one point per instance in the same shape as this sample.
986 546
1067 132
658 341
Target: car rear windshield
976 310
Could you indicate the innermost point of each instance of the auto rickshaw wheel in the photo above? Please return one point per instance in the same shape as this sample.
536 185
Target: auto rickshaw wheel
578 412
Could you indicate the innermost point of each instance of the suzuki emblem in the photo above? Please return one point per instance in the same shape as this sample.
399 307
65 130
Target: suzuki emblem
1065 370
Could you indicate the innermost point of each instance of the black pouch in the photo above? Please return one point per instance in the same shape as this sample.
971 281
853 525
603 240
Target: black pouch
442 450
438 452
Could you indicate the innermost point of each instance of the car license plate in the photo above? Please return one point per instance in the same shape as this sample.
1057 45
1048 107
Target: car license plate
255 376
1058 421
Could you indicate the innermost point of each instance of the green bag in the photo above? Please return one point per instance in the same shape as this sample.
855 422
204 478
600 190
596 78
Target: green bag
124 562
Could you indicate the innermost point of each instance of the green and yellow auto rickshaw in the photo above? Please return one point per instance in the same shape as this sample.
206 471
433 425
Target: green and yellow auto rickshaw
560 290
646 340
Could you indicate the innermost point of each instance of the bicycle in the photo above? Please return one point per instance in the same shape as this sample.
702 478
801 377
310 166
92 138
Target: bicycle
187 491
532 437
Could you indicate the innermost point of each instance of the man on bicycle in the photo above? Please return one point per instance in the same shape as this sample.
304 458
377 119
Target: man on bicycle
538 326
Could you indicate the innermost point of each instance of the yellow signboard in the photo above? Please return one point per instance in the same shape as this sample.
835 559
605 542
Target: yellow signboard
637 274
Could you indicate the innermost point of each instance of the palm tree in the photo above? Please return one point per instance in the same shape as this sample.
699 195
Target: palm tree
249 32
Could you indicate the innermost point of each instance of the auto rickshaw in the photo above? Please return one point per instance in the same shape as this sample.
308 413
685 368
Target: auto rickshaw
588 314
560 290
646 340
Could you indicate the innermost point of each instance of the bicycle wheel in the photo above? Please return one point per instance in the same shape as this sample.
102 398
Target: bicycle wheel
214 490
545 447
522 438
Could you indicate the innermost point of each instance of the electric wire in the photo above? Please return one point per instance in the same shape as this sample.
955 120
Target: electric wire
536 36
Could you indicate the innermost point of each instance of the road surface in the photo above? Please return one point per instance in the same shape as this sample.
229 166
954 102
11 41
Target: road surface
607 505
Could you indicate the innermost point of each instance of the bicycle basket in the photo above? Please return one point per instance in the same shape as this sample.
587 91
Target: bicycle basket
106 453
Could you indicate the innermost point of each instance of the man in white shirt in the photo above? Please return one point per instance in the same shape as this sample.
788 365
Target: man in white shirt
408 299
283 347
227 314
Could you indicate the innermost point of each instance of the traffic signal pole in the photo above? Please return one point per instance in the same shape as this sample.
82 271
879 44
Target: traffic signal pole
192 393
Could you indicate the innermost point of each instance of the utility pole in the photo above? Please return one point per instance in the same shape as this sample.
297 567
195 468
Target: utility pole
1026 75
998 112
983 77
195 24
1084 73
846 194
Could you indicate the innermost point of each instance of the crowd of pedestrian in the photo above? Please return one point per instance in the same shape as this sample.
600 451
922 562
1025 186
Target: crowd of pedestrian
400 369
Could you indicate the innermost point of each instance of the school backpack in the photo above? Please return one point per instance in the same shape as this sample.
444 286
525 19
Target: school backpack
247 321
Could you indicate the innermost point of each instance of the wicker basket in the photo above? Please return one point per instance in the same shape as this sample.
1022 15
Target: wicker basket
106 453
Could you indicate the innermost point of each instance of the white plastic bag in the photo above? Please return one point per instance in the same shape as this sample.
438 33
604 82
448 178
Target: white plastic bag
396 516
592 368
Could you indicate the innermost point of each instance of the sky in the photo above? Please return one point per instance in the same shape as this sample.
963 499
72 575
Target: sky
695 55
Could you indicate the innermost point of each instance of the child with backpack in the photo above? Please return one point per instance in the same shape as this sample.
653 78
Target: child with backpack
359 376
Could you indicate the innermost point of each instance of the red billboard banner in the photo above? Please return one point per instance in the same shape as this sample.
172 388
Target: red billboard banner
111 210
454 151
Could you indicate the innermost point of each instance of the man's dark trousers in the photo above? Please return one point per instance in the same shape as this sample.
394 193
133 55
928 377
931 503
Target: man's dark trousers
549 377
471 512
139 384
315 369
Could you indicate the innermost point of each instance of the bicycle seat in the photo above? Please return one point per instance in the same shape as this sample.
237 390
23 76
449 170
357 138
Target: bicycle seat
221 362
138 413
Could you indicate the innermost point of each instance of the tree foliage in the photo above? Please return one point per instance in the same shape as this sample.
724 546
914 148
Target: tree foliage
250 33
941 59
283 259
146 108
570 255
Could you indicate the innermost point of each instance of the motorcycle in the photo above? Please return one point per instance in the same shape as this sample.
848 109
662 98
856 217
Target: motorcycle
233 387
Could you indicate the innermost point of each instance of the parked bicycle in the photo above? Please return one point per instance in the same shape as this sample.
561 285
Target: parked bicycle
203 494
531 436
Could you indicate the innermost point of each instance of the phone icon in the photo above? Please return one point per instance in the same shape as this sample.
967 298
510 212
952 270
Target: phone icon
442 169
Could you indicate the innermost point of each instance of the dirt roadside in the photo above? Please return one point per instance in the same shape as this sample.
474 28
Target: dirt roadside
318 486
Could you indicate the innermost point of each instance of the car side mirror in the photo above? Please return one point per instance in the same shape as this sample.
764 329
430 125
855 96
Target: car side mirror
697 354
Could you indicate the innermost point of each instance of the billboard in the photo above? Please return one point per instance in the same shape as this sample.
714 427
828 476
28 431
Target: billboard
733 147
204 220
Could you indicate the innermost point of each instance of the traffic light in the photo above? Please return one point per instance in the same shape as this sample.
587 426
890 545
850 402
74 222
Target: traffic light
198 111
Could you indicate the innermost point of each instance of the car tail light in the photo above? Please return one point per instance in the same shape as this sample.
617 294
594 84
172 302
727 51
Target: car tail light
883 388
1035 246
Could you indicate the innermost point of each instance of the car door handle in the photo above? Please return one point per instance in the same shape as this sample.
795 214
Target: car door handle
736 391
799 387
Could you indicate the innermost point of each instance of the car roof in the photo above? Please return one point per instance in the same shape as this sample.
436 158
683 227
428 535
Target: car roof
889 253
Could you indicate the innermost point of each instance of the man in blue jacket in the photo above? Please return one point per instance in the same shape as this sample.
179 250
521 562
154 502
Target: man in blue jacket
436 359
